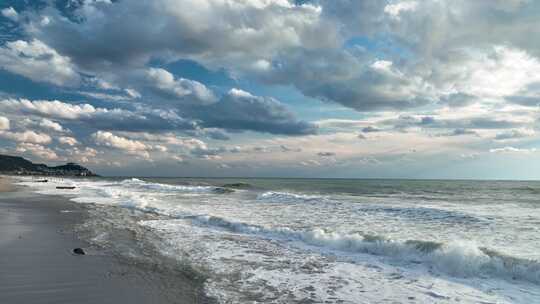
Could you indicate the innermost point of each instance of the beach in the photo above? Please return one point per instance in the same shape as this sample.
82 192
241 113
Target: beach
208 240
38 266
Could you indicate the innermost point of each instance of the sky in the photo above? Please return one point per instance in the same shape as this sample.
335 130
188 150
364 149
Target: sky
274 88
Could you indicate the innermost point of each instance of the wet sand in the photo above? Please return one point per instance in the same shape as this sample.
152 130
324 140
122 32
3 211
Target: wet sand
37 264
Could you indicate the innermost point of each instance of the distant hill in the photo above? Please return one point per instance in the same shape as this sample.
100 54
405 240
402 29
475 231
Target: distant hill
15 165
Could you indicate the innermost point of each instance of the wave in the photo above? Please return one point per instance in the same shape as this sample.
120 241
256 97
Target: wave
456 258
461 259
290 198
137 183
424 214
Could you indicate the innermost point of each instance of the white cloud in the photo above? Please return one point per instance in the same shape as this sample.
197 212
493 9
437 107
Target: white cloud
189 90
37 150
54 109
110 140
132 93
52 125
108 97
514 134
310 163
4 123
394 10
27 137
10 13
86 155
45 21
66 140
493 73
39 62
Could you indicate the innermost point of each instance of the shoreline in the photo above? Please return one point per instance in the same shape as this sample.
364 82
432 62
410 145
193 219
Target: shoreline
38 235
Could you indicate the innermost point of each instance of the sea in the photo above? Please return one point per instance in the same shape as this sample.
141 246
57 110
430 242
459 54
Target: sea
257 240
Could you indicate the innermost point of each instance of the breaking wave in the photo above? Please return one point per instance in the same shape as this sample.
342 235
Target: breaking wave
290 198
140 184
460 259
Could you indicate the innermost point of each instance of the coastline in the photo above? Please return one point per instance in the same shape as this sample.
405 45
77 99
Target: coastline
38 235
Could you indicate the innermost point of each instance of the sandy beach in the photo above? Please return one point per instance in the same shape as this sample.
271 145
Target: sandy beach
38 266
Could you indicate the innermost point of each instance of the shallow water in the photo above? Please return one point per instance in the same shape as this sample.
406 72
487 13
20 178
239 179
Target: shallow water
336 241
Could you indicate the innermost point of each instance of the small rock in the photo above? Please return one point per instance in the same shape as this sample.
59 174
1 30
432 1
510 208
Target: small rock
79 251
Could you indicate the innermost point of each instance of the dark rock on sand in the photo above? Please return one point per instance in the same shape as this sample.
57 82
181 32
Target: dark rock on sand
79 251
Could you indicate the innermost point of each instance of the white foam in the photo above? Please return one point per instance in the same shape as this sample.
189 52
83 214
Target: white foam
140 184
287 197
243 268
459 258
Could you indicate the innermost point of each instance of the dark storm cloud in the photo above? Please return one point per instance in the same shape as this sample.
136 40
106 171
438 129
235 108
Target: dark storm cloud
100 34
236 110
344 77
239 110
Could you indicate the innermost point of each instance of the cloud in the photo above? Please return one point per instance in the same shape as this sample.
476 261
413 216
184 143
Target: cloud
27 137
53 109
310 163
141 119
66 140
37 150
38 62
207 153
110 140
472 118
394 10
426 51
51 125
345 77
427 73
111 97
10 13
285 148
528 101
238 33
240 110
236 110
83 155
514 134
216 134
457 100
164 83
459 132
4 123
